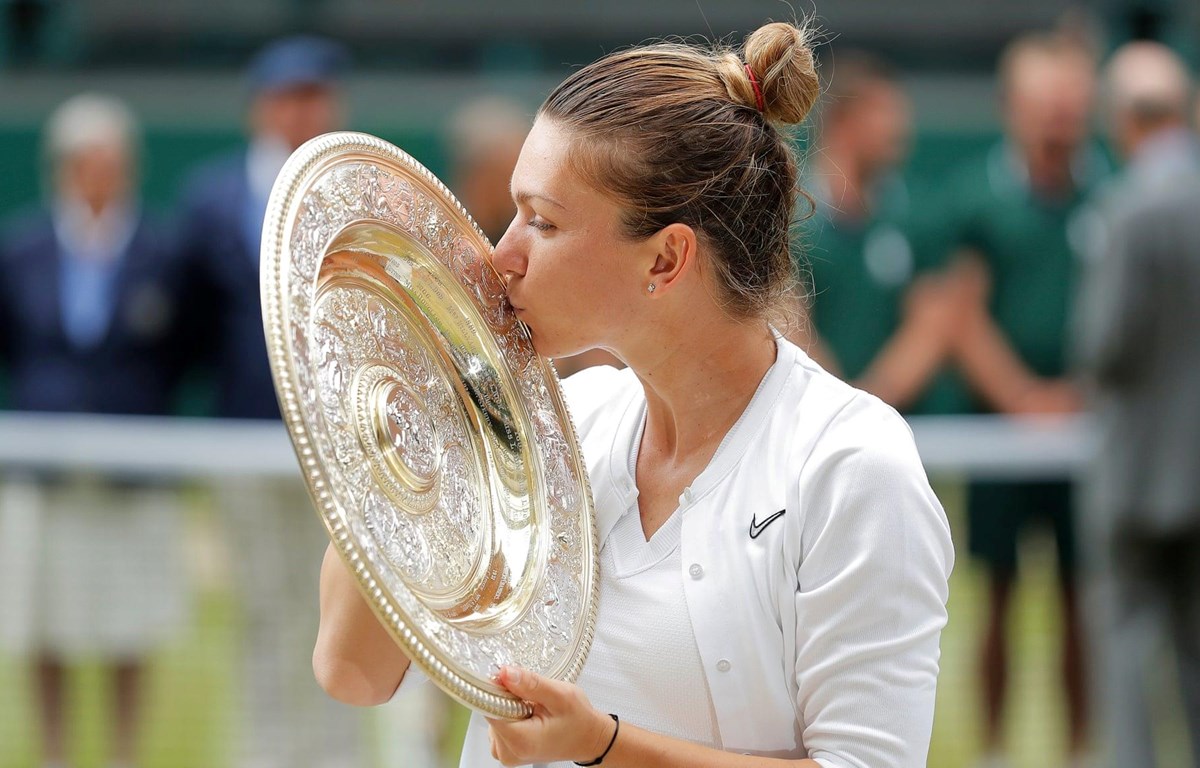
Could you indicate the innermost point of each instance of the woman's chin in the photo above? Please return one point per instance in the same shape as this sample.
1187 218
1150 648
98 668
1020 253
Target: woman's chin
545 350
549 347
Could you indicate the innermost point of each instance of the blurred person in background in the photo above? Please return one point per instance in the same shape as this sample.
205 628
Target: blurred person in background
1139 322
485 138
88 306
1017 219
877 323
295 95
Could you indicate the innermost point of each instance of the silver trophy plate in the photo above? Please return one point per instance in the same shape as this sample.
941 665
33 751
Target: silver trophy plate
434 441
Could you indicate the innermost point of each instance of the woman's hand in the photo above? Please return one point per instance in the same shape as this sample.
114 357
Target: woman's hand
563 726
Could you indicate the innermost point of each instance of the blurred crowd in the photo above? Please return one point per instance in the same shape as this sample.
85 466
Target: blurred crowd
1044 276
1058 271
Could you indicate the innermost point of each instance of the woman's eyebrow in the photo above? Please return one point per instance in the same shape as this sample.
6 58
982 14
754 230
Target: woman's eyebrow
523 196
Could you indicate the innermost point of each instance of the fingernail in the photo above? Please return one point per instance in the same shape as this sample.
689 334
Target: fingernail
513 674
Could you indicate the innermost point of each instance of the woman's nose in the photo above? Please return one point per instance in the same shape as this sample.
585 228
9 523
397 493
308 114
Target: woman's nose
508 257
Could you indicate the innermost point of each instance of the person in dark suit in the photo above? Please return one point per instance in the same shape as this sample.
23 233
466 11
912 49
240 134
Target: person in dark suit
88 291
1137 335
295 95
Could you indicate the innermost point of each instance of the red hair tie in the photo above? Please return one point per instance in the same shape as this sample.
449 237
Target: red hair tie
758 98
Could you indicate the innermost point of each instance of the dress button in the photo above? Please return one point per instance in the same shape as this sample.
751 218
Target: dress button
723 665
696 570
687 496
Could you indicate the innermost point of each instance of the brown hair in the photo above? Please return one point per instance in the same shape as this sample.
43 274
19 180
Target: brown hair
674 134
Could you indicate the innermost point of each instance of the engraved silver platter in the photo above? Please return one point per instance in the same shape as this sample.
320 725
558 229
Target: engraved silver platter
434 441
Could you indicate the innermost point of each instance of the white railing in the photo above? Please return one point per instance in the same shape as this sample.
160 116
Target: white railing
979 446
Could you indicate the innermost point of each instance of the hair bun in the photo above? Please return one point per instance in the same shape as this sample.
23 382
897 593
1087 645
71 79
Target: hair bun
785 67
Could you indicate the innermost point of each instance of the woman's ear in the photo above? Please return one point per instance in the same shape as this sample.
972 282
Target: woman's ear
674 256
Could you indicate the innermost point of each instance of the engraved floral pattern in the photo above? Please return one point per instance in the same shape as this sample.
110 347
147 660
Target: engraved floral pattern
320 343
402 542
347 320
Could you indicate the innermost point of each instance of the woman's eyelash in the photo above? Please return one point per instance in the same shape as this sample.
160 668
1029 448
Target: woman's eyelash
541 225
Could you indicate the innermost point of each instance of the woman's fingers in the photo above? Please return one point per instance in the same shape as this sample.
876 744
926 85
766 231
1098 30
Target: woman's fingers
533 688
564 726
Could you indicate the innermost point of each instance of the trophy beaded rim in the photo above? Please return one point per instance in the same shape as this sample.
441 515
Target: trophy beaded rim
306 164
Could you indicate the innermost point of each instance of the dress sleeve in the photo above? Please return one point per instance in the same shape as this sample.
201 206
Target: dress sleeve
871 598
414 677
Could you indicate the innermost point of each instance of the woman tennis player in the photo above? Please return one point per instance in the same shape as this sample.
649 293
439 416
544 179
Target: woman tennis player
773 563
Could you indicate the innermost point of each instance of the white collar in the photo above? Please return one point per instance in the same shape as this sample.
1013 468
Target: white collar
630 424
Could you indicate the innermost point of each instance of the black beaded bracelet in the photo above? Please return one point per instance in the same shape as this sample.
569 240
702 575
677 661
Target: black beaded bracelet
612 741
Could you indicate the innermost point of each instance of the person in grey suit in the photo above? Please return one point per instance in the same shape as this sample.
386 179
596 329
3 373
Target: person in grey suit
1139 323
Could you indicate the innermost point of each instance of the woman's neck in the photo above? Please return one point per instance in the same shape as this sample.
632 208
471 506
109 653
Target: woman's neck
698 382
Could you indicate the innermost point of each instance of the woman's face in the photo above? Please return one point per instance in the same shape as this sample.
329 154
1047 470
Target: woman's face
573 278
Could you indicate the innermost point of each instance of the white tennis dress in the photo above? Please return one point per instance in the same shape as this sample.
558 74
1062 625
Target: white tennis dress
793 604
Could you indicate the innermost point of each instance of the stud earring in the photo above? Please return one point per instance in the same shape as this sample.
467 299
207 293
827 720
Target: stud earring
650 288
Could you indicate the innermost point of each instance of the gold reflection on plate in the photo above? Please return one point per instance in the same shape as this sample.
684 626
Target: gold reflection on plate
434 441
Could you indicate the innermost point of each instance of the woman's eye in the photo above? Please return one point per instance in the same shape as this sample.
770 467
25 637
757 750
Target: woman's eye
541 225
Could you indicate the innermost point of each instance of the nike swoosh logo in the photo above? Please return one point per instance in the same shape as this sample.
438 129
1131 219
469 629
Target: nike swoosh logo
756 527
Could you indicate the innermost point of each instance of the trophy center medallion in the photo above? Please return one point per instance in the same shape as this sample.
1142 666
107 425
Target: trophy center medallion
405 435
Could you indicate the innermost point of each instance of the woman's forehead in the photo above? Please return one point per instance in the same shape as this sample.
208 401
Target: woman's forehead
541 154
543 169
